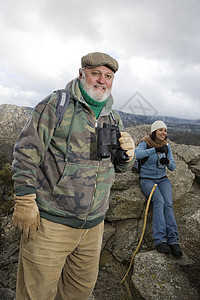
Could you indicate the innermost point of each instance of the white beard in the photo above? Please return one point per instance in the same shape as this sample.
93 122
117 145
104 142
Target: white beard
94 94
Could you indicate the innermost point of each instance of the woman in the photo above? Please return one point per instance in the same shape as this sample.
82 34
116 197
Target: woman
157 155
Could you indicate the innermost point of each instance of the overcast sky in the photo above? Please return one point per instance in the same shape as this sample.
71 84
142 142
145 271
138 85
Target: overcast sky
156 42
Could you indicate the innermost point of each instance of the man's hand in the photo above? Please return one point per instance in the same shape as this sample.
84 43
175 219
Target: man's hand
127 144
26 215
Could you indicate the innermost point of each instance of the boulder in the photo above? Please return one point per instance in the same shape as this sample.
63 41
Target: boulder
191 241
160 276
156 276
196 170
126 200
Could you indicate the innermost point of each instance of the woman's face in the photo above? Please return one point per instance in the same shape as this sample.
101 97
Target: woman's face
161 134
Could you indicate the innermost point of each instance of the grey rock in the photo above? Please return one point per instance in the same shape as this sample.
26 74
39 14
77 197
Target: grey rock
196 170
124 240
191 241
160 276
127 200
109 230
7 294
126 212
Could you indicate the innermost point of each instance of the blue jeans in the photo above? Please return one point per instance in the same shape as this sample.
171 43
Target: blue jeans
164 223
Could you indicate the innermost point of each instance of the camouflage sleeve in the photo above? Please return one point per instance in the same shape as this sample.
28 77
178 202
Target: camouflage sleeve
121 167
31 145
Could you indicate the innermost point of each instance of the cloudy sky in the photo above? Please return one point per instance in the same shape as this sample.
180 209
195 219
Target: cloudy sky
156 42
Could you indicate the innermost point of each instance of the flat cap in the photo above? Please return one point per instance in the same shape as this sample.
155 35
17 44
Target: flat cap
96 59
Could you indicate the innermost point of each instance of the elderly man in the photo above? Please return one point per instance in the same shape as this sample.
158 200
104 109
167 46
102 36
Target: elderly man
63 178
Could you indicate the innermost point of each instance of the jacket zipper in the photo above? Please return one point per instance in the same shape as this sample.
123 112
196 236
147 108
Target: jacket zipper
95 184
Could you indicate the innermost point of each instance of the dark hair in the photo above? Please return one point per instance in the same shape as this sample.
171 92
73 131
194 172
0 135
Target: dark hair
153 135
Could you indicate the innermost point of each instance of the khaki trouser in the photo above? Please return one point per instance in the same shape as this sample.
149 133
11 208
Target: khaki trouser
61 263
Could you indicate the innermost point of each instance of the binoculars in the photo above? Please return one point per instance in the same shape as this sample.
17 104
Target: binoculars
107 140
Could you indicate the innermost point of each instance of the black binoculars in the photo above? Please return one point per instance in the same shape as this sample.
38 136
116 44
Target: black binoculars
107 140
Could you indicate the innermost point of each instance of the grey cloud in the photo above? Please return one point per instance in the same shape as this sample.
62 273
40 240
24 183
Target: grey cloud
165 32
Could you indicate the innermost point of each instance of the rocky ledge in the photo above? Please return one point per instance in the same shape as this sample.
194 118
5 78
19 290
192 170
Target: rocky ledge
155 275
152 275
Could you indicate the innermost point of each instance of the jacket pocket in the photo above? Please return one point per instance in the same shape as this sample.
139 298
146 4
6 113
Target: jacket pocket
74 191
104 182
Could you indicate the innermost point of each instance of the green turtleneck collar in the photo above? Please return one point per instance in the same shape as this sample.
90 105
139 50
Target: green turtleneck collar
95 105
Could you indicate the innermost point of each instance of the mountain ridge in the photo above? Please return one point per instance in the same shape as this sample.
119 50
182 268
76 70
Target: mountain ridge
145 119
126 117
13 118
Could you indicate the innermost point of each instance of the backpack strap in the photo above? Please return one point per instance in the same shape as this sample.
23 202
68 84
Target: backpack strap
113 117
62 103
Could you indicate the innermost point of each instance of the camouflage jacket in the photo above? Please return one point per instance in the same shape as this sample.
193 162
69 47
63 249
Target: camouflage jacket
72 185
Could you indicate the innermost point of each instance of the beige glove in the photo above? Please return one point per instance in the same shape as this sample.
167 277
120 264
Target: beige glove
26 215
127 143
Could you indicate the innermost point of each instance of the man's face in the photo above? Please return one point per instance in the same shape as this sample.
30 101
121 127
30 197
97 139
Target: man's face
97 82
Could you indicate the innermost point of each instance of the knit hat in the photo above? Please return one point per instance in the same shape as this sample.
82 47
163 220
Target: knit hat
157 125
96 59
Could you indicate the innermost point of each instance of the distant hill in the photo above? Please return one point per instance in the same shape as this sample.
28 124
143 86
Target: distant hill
132 119
13 118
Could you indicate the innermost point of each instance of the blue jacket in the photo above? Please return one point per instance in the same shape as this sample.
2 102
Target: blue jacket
151 168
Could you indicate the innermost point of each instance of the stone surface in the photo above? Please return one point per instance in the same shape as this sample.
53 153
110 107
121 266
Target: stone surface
160 276
196 170
127 200
126 213
191 241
